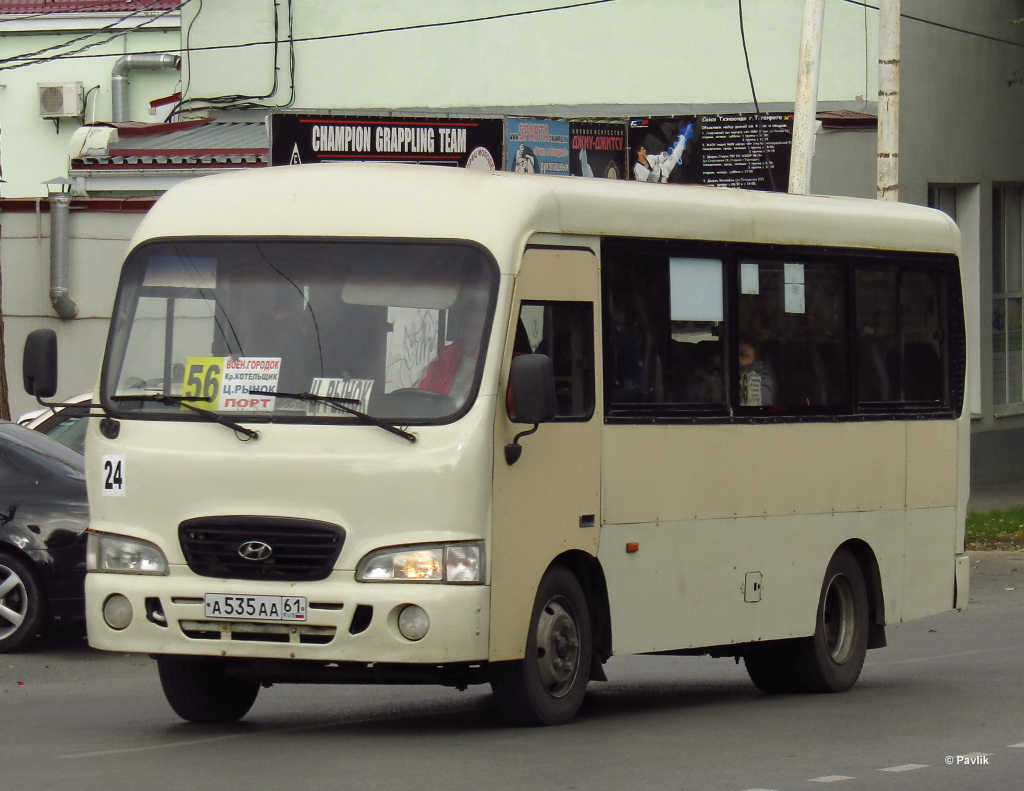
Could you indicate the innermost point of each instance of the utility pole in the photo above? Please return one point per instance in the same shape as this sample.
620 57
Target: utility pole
805 109
889 100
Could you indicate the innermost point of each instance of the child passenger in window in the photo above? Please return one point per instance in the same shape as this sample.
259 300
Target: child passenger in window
757 385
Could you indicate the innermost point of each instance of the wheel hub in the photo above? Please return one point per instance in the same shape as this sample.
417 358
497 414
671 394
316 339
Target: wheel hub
13 602
558 647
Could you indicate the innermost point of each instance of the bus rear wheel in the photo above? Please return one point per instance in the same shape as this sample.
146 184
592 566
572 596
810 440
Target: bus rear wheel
547 686
200 689
830 660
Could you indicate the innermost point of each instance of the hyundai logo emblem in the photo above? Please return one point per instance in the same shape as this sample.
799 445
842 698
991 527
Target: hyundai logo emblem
256 551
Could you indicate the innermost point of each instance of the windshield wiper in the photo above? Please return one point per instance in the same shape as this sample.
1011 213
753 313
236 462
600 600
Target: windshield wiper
206 414
341 404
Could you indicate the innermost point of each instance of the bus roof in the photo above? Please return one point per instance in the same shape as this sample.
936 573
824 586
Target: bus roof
502 210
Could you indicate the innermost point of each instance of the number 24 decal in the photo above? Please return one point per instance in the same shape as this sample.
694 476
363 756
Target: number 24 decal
113 478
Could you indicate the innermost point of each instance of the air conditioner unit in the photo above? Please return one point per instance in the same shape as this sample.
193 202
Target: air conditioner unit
61 99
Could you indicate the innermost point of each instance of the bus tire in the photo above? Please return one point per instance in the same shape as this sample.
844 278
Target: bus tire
832 659
548 685
770 666
200 690
22 603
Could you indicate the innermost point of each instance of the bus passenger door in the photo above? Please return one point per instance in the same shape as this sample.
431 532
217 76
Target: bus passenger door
546 503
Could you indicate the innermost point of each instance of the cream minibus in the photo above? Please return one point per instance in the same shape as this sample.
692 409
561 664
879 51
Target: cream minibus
369 423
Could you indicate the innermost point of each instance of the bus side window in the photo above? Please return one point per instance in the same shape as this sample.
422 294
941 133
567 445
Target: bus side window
564 331
794 314
900 335
664 333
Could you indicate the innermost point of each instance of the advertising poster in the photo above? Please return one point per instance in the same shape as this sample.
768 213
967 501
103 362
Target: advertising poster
538 146
746 150
663 150
597 150
458 142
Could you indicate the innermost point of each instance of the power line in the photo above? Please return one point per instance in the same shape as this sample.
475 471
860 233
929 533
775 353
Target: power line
107 28
328 37
31 58
951 28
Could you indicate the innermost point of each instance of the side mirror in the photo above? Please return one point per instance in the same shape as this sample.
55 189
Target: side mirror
39 363
531 385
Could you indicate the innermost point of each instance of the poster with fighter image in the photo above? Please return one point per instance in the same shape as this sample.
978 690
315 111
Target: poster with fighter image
538 146
459 142
744 150
597 150
663 150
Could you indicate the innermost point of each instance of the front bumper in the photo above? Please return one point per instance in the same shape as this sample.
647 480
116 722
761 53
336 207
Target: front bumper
347 621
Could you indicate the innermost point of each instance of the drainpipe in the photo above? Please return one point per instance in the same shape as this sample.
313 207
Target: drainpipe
119 78
60 212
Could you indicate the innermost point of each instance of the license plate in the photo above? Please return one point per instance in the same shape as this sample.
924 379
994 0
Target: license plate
255 608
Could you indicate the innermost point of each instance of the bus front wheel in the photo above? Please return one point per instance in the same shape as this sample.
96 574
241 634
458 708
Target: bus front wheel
547 686
200 690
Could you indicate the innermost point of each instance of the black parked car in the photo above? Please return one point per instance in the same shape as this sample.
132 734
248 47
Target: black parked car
44 513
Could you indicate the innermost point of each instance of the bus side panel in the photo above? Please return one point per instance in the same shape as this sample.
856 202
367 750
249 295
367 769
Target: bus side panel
929 585
718 505
723 581
669 473
934 520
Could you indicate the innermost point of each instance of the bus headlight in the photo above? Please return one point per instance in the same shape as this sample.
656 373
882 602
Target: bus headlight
123 555
455 563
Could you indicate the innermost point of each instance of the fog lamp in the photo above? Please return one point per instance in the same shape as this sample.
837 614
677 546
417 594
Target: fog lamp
413 622
117 611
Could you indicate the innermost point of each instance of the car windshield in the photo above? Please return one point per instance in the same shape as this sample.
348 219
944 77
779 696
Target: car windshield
299 330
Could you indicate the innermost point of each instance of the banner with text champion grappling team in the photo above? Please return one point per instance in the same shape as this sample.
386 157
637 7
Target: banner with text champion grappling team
472 143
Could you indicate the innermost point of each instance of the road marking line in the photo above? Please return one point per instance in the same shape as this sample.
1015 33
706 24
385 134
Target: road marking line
942 656
904 768
830 779
1019 746
231 736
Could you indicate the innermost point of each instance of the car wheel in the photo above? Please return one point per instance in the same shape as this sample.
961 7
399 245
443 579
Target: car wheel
22 604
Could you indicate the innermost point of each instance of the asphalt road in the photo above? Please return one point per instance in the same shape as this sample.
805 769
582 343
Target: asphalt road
941 707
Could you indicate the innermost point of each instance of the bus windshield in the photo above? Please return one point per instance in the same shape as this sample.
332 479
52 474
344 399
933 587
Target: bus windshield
388 329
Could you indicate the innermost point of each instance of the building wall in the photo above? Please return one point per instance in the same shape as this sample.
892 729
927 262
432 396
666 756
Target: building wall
34 149
963 126
98 244
371 54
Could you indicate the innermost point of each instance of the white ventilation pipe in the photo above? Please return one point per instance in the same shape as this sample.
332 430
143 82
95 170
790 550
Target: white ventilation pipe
119 78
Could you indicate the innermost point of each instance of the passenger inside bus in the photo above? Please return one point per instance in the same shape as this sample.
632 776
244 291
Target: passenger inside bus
757 384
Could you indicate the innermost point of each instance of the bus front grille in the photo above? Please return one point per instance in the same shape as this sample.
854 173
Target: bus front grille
261 548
